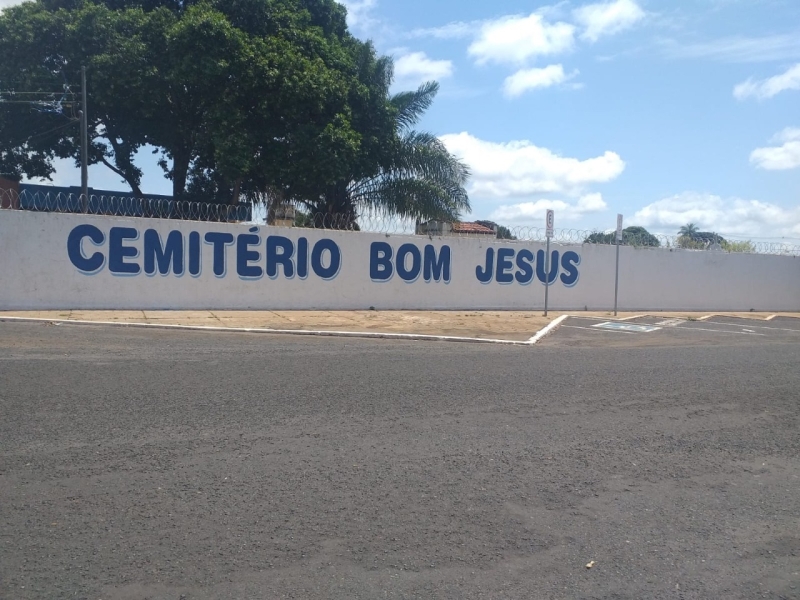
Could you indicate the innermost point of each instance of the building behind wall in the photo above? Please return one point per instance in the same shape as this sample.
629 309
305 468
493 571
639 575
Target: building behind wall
9 193
459 228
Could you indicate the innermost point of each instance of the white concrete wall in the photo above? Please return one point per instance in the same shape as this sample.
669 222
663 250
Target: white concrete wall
36 272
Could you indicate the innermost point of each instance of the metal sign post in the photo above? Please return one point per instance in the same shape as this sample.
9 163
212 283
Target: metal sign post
84 146
616 279
551 217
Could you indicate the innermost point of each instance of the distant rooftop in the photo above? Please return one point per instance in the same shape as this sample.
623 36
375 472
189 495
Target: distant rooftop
472 228
457 228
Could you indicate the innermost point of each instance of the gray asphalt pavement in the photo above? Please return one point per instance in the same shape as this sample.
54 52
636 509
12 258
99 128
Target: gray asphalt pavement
654 331
184 465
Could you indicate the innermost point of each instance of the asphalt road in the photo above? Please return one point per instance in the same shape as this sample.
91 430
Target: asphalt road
653 331
166 465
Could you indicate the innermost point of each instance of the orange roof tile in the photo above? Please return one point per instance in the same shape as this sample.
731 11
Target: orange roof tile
472 228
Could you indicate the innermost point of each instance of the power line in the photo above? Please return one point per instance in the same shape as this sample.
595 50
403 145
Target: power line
19 93
36 135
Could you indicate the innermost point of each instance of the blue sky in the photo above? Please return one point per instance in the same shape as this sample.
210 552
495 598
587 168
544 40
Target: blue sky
665 111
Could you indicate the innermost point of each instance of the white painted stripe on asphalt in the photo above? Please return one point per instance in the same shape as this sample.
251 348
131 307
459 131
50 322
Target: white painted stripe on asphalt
629 318
671 322
718 331
703 329
590 318
349 334
672 327
548 329
755 326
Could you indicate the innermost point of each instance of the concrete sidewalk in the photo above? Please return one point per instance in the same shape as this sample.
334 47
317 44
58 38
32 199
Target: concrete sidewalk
504 325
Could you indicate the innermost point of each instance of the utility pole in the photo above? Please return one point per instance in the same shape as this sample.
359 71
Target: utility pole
550 222
84 146
616 277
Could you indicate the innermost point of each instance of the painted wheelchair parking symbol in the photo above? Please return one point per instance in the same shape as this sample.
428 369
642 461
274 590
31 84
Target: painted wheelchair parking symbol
652 330
627 327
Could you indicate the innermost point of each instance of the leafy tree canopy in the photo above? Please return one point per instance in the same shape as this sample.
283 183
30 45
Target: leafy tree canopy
503 233
689 230
237 95
700 240
631 236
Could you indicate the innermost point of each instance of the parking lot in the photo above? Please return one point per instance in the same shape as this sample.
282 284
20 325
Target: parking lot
190 465
656 331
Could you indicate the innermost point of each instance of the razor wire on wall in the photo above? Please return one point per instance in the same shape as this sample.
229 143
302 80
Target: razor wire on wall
374 222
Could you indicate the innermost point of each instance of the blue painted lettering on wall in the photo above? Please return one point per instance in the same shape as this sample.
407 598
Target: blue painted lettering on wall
275 255
409 263
90 250
168 256
506 265
85 264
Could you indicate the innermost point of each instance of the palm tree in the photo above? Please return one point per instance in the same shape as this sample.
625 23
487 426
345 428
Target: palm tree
689 230
420 179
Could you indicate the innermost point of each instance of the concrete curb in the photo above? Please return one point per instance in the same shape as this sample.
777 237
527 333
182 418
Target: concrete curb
548 329
349 334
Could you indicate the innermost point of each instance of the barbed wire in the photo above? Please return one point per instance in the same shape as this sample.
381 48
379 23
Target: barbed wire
123 206
372 221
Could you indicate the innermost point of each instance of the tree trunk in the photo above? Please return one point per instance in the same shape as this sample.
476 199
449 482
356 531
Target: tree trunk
131 180
236 187
180 172
340 212
123 165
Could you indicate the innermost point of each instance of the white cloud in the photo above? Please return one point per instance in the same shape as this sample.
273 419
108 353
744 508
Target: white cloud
359 12
515 39
530 79
734 216
607 18
7 3
767 88
777 158
525 212
521 169
414 68
738 49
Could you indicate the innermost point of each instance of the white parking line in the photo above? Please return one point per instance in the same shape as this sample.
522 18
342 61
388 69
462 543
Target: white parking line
671 322
681 327
755 326
719 331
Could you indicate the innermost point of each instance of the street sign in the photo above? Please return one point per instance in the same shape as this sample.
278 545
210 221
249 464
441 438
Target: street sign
619 228
551 219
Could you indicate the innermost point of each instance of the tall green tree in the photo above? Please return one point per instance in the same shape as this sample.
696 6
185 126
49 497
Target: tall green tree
690 237
417 176
43 49
243 99
236 93
689 230
631 236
